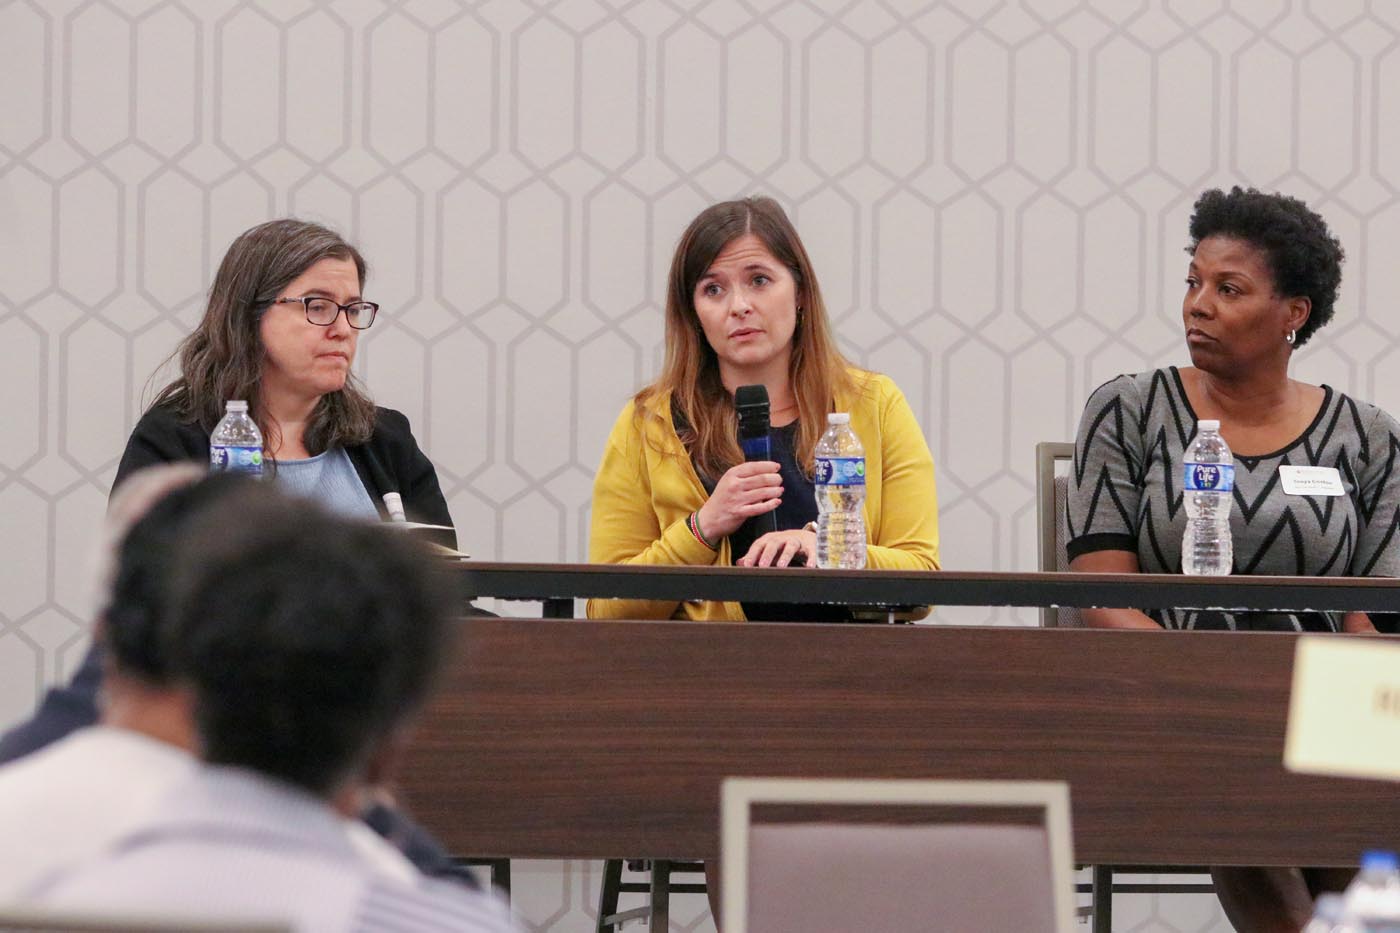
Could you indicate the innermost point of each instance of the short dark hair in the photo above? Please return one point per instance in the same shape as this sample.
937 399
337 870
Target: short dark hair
1304 257
134 617
306 638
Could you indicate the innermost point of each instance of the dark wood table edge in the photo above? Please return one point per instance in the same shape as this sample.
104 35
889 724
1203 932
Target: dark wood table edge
554 583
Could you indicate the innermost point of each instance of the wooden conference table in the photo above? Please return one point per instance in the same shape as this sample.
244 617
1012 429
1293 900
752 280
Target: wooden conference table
563 738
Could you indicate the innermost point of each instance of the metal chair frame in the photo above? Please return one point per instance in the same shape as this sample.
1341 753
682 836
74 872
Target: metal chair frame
658 887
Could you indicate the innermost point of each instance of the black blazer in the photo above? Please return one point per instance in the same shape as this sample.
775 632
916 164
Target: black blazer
390 461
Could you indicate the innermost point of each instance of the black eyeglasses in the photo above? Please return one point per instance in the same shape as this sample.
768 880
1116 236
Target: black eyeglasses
323 311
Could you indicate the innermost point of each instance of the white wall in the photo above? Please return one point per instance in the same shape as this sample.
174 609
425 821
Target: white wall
995 194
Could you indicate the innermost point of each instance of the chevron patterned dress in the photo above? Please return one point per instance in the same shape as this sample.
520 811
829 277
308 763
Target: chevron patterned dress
1125 495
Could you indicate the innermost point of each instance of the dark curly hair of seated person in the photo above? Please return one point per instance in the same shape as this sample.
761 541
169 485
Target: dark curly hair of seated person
1303 256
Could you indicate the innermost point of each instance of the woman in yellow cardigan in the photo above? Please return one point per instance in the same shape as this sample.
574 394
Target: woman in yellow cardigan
743 308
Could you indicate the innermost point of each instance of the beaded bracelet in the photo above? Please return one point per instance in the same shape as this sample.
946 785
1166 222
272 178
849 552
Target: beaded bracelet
692 521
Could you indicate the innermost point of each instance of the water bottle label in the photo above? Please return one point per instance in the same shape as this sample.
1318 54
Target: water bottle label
236 459
840 471
1210 477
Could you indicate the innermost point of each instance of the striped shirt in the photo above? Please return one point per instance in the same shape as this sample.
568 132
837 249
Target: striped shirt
233 846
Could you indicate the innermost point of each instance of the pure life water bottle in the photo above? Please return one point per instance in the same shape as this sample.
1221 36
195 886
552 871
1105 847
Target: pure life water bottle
1372 901
840 488
236 445
1208 486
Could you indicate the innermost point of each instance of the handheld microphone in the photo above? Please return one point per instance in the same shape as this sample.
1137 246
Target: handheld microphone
751 402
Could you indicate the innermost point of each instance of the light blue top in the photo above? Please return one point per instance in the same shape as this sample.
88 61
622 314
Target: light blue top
330 479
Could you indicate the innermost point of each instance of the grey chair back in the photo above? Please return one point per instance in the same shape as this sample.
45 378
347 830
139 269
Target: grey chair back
1053 462
986 856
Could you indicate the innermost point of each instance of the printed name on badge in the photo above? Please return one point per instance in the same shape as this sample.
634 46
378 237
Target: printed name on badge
1311 481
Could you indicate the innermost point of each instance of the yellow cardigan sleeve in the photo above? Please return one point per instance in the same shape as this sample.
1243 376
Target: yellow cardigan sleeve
904 535
625 528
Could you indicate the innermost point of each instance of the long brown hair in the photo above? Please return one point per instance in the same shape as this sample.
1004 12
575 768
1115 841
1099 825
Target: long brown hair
223 358
690 376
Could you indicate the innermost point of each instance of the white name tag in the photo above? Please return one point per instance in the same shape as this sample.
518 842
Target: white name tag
1311 481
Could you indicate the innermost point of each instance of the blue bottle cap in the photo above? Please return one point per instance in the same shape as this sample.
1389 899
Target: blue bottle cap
1379 858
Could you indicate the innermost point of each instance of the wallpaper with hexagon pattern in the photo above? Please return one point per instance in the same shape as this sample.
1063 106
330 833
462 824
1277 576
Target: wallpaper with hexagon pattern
994 192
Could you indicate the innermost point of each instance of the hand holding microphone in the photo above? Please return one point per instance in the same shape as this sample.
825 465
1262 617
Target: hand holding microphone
745 490
750 488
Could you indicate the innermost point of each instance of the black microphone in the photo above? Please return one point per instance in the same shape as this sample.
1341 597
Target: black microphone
752 404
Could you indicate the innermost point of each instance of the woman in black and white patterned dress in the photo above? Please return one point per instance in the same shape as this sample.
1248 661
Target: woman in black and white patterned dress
1263 277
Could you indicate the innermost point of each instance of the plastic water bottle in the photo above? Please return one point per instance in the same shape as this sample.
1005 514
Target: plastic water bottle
1372 900
1330 916
236 444
840 488
1208 486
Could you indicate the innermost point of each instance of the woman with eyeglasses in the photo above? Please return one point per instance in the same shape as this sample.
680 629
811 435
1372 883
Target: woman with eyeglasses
280 330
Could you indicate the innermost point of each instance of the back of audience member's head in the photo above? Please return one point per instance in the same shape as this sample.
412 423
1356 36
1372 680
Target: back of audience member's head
148 519
307 639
